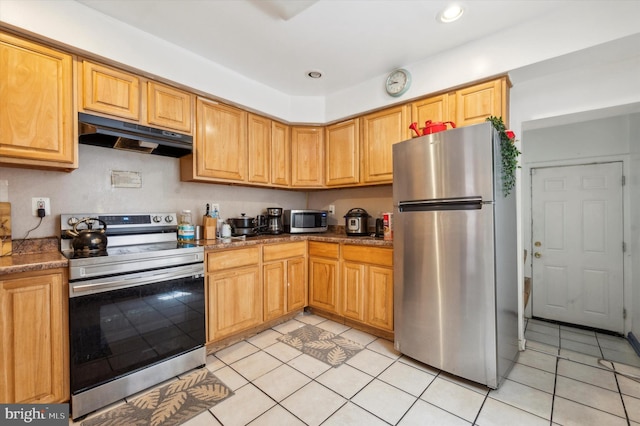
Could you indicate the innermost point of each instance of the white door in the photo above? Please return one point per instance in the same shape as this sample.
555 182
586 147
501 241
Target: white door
577 240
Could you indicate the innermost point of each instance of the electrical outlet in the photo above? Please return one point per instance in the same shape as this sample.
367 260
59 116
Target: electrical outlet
41 203
214 207
332 209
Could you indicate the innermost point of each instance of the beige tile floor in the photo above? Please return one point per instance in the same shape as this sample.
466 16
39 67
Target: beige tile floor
558 380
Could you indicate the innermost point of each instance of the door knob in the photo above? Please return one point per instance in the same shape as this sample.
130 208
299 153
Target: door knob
537 255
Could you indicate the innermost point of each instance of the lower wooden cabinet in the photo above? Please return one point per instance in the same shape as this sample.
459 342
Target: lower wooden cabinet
34 342
233 291
323 276
284 274
367 285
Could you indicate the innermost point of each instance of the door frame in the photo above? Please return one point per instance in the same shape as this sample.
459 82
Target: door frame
526 235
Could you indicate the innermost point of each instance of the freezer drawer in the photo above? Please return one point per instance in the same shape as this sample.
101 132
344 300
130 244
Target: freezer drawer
445 294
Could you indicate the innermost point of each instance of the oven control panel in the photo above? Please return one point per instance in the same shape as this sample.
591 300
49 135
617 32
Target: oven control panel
128 222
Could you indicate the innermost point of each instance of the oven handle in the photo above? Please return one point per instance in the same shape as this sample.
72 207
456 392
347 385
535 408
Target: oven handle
136 280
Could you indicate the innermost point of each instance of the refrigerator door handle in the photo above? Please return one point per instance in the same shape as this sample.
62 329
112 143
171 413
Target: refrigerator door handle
467 203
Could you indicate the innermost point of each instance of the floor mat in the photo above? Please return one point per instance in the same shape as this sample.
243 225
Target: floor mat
168 405
322 344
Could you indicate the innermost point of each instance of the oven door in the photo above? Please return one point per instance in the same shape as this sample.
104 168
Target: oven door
119 327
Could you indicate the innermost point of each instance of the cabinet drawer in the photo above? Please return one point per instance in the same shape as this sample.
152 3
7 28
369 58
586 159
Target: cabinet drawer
221 260
363 254
330 250
283 251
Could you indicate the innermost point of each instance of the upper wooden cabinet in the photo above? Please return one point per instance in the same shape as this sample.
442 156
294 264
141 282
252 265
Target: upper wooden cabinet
280 154
110 91
380 130
307 150
37 109
342 153
475 103
259 149
34 355
435 108
169 107
220 150
117 93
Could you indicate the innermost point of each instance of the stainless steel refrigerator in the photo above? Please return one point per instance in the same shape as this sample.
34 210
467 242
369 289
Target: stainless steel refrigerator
455 260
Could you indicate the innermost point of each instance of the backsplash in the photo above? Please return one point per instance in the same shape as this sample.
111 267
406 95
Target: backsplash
89 189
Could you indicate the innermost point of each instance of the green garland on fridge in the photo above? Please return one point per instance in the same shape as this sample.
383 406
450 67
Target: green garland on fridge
509 154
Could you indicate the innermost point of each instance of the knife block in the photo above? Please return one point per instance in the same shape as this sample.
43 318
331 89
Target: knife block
5 228
209 227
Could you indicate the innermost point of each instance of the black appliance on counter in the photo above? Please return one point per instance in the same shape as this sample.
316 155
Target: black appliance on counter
136 309
357 222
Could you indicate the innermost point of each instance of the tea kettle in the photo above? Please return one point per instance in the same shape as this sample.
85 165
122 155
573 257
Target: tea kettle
431 127
89 239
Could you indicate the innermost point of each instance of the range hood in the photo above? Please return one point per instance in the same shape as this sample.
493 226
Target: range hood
108 133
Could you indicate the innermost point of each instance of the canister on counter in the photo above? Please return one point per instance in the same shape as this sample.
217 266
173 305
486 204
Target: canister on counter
387 221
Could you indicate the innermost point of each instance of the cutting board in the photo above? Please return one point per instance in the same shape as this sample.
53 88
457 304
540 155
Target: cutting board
5 228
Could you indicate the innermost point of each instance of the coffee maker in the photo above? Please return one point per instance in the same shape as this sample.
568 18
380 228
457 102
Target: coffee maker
274 220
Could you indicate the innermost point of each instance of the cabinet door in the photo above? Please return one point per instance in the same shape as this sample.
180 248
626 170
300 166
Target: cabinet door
353 289
34 335
475 103
280 154
221 141
323 280
259 146
435 108
37 114
234 301
274 276
380 131
342 153
169 107
296 283
110 91
306 157
379 297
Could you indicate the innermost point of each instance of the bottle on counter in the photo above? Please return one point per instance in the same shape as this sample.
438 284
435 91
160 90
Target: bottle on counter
186 228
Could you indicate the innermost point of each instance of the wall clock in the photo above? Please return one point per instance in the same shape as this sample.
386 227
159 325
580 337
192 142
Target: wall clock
398 82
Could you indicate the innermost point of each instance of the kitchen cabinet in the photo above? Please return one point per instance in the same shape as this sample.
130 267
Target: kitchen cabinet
34 354
434 108
280 154
367 285
220 149
37 109
380 130
110 91
307 157
169 107
342 153
233 290
284 278
120 94
473 104
259 149
323 276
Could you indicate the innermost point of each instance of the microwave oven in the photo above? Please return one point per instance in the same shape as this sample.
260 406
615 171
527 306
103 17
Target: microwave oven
305 220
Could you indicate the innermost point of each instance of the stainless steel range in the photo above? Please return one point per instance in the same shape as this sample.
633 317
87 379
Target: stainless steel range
136 308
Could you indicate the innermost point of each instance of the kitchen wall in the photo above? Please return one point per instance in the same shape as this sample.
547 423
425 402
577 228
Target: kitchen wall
375 200
583 112
88 189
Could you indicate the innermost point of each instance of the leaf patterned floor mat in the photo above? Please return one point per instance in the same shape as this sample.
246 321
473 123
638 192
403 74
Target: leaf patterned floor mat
322 344
168 405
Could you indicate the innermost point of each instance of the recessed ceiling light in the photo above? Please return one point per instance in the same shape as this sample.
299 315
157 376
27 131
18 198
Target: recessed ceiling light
314 74
450 14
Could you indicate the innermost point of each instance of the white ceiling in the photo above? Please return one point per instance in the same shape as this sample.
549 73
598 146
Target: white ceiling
277 42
